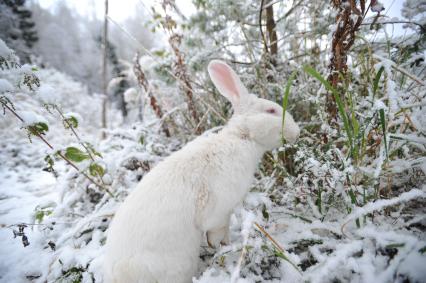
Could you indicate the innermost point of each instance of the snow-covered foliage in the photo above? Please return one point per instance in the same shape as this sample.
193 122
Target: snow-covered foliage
345 203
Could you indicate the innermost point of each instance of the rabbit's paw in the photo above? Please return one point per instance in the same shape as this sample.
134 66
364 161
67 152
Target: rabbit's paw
217 237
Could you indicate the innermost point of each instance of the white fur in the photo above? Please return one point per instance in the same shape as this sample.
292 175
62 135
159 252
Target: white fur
157 232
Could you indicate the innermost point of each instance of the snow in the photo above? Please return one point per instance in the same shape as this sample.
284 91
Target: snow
380 204
47 94
5 86
4 50
31 118
414 265
75 115
379 105
377 7
246 228
131 95
107 179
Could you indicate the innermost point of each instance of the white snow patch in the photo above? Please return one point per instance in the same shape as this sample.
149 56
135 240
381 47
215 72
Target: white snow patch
107 179
378 105
4 50
47 94
77 116
131 95
377 7
414 266
31 118
5 86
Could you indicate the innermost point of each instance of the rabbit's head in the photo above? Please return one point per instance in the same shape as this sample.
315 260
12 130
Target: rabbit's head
254 118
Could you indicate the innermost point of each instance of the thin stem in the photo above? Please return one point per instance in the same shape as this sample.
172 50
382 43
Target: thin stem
79 140
261 229
396 22
74 132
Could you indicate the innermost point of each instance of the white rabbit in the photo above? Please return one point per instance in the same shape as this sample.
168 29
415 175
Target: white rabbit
156 234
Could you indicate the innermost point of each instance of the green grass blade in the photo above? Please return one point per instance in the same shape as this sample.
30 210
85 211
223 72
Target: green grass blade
383 123
284 257
285 100
376 80
311 71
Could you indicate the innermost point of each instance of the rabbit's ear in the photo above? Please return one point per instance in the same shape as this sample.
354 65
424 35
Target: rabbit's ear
227 82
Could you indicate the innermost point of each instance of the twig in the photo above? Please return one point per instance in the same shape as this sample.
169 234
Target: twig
397 22
276 245
180 68
348 21
261 229
272 34
143 83
260 26
104 70
290 11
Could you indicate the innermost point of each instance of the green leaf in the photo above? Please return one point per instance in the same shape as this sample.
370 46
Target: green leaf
396 245
285 99
74 154
265 213
71 122
300 217
284 257
96 170
311 71
354 201
160 53
38 128
353 197
41 212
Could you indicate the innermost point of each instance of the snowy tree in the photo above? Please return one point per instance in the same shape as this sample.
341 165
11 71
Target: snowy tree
17 27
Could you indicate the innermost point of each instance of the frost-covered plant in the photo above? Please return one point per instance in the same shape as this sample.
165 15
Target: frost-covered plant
57 224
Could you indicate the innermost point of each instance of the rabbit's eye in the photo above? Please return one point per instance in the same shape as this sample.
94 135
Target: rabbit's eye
271 110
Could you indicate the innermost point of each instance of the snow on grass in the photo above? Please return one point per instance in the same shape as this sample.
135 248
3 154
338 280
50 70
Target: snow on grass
380 204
